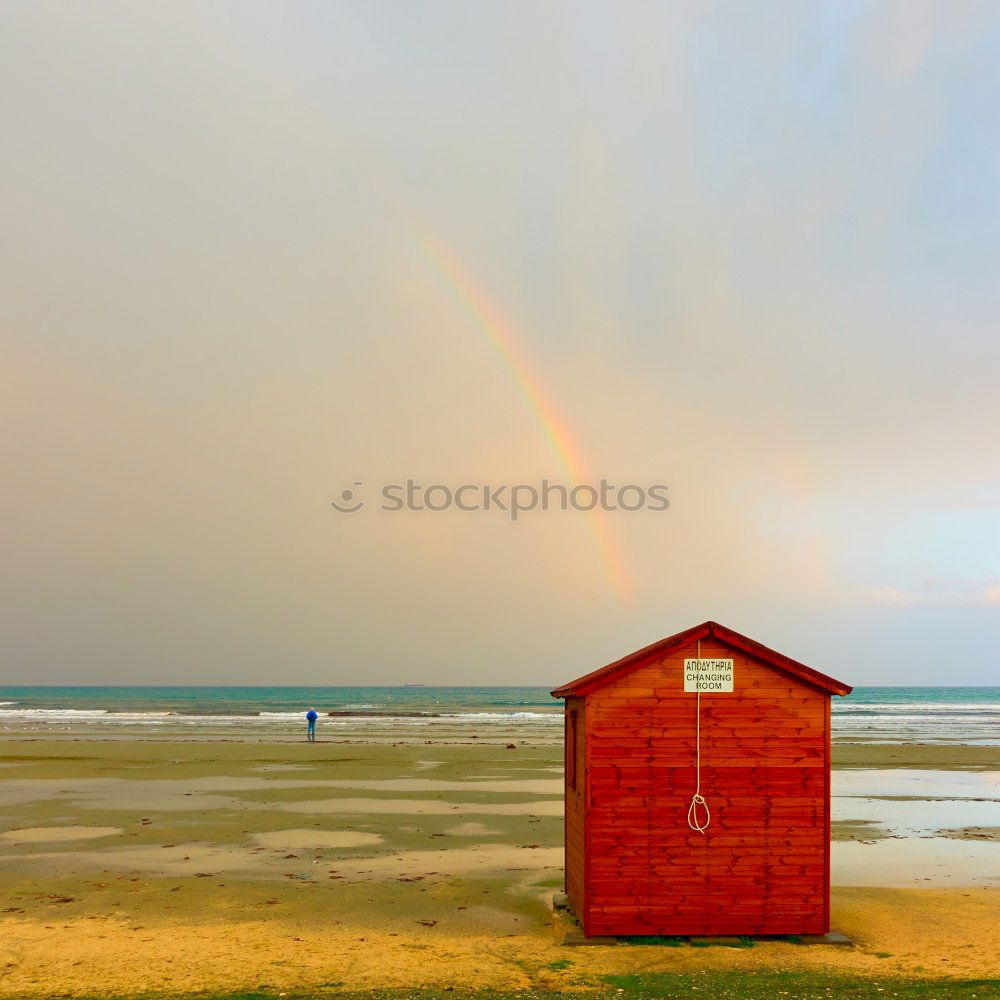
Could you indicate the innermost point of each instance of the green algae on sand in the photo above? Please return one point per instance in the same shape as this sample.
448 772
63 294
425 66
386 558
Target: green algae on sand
644 986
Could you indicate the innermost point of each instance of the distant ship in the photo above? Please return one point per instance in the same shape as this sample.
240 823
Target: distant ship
413 685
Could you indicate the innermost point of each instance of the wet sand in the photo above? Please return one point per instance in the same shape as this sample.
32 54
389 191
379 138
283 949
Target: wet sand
972 833
57 834
931 756
229 865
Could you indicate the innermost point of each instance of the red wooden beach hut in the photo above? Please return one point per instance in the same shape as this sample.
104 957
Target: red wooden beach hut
698 790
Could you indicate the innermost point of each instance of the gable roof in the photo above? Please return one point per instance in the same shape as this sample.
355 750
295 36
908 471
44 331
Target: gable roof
707 630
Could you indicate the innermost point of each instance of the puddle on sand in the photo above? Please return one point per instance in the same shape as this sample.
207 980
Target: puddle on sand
284 767
173 859
530 786
199 794
144 800
916 783
913 805
915 862
458 861
58 834
128 794
472 830
291 839
918 817
425 807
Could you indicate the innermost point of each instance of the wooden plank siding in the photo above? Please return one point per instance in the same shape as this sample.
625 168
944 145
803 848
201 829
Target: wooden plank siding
633 865
576 797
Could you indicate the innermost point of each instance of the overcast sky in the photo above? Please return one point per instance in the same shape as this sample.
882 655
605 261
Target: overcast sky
254 253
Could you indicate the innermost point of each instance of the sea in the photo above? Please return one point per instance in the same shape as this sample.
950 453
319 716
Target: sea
969 715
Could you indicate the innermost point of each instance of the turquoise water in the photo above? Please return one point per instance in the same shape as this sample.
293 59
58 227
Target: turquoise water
926 714
967 714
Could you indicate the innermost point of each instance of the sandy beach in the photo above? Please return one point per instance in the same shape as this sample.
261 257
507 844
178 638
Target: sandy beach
354 864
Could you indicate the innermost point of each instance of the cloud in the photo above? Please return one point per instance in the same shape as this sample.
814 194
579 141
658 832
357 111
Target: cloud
895 597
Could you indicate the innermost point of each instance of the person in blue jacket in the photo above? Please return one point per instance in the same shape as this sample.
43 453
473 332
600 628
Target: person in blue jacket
311 718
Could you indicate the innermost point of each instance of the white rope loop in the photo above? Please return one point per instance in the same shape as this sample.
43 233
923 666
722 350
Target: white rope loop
698 800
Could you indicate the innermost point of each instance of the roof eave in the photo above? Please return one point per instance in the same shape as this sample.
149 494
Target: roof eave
584 685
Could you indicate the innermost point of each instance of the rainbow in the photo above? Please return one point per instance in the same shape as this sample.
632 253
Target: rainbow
558 435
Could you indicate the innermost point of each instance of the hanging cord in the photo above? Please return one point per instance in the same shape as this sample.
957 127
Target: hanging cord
698 800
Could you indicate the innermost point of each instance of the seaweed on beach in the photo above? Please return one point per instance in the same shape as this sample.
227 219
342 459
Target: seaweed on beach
729 985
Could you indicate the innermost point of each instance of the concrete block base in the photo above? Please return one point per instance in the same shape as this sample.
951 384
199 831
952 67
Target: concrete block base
834 937
575 939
